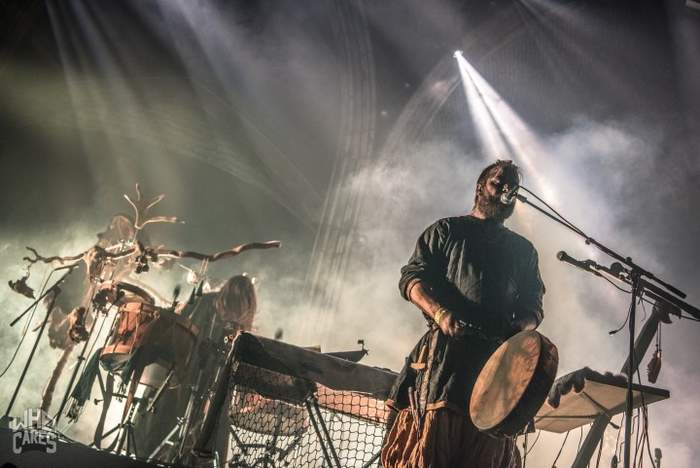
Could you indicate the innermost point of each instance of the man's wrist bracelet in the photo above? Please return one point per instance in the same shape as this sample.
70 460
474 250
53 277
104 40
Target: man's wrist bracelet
439 314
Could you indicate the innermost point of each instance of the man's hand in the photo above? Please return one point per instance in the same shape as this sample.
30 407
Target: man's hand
449 325
421 295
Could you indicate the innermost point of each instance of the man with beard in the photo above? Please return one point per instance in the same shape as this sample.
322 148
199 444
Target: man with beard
477 283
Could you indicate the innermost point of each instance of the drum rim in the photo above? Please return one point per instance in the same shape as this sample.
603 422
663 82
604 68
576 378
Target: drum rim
480 389
534 393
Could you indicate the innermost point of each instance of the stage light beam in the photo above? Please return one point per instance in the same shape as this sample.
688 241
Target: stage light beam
500 129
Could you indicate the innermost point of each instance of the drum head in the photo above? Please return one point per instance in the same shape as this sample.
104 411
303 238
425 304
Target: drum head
506 377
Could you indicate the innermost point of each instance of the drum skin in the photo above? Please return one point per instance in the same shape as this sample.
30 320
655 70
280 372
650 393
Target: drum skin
513 384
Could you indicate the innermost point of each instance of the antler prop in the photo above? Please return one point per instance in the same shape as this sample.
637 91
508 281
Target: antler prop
142 207
232 252
78 257
159 252
55 258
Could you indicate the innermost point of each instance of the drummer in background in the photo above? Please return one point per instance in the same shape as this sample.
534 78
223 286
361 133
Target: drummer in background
221 315
217 314
234 307
477 283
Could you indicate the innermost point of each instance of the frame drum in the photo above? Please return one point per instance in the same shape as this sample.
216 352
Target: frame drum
513 384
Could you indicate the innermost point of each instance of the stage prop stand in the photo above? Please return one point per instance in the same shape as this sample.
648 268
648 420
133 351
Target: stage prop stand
636 273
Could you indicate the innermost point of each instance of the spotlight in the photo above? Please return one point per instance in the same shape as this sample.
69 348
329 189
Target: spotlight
458 54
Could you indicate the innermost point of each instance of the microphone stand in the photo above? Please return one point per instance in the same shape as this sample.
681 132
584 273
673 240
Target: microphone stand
635 273
48 290
53 289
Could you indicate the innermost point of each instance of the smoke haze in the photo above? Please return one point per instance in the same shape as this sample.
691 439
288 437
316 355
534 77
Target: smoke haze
328 126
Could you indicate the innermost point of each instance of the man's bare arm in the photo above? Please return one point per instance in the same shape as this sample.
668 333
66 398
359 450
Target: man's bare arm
422 296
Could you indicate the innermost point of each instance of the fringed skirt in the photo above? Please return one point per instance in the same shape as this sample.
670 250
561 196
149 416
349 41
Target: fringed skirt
447 439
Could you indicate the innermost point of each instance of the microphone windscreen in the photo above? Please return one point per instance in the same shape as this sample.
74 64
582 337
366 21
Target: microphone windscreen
617 268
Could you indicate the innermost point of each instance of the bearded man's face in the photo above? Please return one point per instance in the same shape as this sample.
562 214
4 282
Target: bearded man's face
488 196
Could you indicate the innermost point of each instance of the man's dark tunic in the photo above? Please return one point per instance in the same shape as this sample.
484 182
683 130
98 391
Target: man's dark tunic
488 276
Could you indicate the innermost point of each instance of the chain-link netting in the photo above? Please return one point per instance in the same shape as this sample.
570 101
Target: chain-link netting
279 420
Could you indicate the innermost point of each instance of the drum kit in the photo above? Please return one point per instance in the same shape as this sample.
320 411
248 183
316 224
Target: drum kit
145 330
148 346
156 348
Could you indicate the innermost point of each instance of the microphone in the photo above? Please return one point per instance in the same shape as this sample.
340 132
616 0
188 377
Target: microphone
564 257
508 198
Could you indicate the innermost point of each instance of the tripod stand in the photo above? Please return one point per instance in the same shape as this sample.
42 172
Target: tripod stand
177 435
125 433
